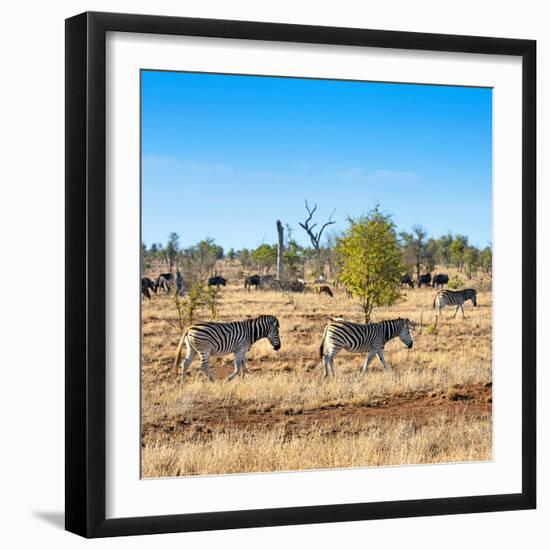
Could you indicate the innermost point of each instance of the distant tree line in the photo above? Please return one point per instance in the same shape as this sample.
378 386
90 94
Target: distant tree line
419 253
368 258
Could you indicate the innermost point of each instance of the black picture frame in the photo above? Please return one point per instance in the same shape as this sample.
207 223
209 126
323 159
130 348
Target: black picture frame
86 285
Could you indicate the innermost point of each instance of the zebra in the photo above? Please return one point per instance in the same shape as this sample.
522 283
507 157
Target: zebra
454 298
355 337
211 338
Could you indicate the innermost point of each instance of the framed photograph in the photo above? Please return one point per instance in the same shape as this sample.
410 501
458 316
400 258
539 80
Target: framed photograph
300 274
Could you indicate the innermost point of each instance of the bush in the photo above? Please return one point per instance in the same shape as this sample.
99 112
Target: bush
455 283
431 329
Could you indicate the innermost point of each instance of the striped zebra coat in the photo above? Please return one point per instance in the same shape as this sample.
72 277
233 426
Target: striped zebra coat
454 298
367 338
210 338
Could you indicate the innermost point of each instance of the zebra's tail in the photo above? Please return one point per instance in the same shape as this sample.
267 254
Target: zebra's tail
179 351
433 305
323 343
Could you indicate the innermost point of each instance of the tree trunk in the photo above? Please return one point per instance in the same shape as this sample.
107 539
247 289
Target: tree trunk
280 248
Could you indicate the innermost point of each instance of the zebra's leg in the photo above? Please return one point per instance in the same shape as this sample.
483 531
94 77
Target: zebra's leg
326 365
243 366
368 360
190 356
462 310
456 310
331 362
382 360
205 358
239 366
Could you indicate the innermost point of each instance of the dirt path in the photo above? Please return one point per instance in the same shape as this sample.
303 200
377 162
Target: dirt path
472 402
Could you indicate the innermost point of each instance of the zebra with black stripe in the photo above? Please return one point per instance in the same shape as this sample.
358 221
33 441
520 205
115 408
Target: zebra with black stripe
237 337
360 338
454 298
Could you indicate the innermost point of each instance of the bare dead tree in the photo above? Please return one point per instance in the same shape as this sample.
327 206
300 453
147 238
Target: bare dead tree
315 237
280 250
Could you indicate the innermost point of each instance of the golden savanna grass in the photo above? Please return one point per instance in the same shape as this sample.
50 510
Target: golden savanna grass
433 406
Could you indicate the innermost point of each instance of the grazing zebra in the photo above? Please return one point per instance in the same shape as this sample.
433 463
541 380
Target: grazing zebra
358 338
454 298
210 338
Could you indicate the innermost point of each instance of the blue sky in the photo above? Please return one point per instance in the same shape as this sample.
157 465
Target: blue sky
225 156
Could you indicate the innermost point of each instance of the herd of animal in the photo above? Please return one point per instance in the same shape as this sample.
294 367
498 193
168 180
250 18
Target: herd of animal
165 281
426 279
207 339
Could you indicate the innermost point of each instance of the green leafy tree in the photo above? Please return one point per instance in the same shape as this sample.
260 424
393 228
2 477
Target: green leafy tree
244 257
292 256
265 256
471 261
207 252
445 242
172 249
433 254
457 249
370 261
486 260
414 247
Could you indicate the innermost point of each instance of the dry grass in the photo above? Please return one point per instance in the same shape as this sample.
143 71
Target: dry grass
433 406
375 443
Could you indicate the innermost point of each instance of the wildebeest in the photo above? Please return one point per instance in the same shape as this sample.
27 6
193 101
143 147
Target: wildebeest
164 281
425 279
440 280
146 286
253 280
324 289
217 281
166 276
406 280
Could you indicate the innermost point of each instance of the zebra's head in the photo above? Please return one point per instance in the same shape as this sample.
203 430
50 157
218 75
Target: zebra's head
471 294
272 331
405 333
